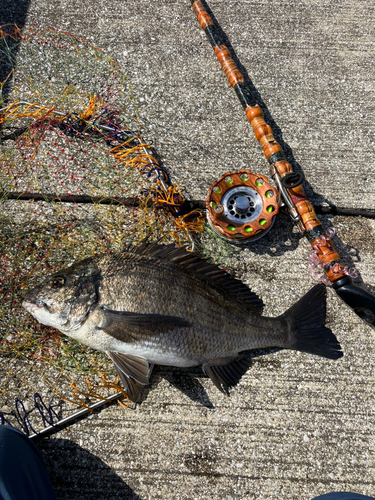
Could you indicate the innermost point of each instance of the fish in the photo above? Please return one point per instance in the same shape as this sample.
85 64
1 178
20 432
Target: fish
164 305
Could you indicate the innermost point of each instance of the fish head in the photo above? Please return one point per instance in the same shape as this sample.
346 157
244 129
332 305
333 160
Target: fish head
65 298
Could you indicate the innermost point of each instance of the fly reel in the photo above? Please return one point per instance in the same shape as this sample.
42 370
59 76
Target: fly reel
241 206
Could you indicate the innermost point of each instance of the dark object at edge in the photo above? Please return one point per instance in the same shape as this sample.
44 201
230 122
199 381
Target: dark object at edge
360 301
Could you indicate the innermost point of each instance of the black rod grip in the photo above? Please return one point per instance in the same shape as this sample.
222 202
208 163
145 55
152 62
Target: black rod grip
360 301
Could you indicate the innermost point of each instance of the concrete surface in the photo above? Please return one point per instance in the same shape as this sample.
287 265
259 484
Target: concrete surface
296 426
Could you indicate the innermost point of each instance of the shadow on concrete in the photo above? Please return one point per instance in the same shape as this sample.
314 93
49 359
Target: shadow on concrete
12 12
78 474
185 380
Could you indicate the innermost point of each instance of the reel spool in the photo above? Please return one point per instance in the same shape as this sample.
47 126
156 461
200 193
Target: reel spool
241 206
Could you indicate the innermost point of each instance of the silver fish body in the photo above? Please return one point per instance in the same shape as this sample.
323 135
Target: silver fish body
164 305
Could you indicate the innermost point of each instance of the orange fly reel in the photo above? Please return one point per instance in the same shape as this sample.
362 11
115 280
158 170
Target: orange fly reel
241 206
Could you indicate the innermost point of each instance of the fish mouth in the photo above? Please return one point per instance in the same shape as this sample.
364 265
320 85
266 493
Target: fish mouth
33 303
42 313
31 307
33 299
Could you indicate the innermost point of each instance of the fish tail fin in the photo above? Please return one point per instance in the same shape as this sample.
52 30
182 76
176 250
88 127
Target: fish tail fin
307 330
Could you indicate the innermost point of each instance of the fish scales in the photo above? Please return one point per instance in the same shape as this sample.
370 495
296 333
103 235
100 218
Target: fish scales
164 305
162 287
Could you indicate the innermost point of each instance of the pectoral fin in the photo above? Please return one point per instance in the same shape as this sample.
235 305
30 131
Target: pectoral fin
225 376
128 326
134 373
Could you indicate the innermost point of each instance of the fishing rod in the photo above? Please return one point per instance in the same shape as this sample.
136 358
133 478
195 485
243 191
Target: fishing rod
76 417
241 206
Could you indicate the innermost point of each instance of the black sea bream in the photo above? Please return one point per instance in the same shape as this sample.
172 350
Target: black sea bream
164 305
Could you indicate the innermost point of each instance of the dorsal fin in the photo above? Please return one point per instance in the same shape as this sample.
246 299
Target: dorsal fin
212 272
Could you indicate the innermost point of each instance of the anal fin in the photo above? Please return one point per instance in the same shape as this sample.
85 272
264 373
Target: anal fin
226 376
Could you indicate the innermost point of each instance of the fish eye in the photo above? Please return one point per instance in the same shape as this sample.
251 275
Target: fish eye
58 282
